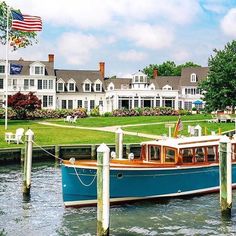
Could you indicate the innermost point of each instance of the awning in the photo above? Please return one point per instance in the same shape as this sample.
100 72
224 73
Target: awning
197 102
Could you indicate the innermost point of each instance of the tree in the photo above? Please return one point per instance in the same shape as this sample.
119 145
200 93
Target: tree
168 68
21 103
220 85
17 39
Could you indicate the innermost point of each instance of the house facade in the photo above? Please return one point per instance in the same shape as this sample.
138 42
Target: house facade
71 89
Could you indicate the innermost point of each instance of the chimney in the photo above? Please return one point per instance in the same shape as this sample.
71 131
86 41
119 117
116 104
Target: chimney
155 73
102 69
50 57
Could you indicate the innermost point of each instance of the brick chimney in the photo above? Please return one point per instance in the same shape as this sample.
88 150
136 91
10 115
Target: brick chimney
50 57
155 73
102 69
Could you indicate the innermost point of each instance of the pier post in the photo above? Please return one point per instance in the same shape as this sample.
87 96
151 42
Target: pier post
119 143
29 136
93 151
103 190
57 152
225 176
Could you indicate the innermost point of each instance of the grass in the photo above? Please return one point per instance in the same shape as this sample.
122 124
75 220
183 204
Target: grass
112 121
49 135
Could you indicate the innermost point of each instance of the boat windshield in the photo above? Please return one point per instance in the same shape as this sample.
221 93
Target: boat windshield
155 153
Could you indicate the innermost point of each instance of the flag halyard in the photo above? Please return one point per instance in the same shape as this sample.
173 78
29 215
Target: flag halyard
26 23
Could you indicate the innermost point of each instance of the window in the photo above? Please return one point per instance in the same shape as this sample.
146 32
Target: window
92 104
135 103
87 87
200 154
169 155
187 155
47 101
155 153
141 79
136 79
101 103
50 84
38 70
45 84
40 84
2 69
187 105
26 84
14 83
31 82
79 103
98 87
63 104
193 78
211 154
60 87
70 104
1 83
71 87
86 104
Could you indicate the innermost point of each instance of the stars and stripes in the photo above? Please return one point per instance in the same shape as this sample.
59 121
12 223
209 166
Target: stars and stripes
26 23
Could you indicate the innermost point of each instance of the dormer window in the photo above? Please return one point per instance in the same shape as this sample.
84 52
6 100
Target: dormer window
60 85
193 78
87 87
97 86
139 78
37 68
71 87
167 87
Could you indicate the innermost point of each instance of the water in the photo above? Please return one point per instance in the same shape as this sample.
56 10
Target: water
44 213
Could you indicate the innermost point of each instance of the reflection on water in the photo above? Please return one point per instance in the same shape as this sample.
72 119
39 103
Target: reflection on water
44 213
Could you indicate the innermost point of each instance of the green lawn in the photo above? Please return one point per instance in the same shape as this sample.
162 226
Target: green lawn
48 135
111 121
160 129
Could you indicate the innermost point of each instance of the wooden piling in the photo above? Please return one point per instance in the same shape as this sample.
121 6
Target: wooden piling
225 176
103 190
57 152
93 151
119 143
29 136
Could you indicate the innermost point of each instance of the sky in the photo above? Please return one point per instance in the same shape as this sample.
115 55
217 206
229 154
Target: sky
127 35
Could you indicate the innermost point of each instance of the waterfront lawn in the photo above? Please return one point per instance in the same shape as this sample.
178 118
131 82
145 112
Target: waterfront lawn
49 135
130 120
160 129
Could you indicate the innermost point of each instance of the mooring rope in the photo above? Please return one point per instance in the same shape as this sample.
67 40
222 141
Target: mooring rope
47 151
86 185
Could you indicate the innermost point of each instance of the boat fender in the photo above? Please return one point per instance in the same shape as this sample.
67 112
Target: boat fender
72 160
113 155
131 156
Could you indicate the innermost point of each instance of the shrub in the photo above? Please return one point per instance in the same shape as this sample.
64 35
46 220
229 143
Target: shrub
95 111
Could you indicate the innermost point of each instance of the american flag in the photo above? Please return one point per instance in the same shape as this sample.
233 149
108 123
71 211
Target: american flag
25 23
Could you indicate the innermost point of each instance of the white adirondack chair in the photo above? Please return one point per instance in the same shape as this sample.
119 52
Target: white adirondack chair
67 119
15 138
74 119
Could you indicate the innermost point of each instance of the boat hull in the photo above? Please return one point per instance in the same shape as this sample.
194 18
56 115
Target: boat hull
79 183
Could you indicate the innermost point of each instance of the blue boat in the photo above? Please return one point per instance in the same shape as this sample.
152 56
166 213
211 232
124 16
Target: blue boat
171 167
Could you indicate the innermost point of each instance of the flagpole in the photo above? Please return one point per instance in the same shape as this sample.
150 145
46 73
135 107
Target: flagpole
6 69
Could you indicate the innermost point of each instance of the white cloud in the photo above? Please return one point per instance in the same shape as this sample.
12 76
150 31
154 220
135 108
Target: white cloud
181 56
77 48
148 36
216 6
132 55
228 23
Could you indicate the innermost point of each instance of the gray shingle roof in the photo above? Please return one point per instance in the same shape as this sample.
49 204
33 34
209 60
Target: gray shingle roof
201 73
161 81
79 76
49 66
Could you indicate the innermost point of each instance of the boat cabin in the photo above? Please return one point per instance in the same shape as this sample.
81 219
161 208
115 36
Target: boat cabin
187 150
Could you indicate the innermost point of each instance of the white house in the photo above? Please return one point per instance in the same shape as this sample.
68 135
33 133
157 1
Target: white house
70 89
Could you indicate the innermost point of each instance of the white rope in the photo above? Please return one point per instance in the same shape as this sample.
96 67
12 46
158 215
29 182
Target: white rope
48 152
86 185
